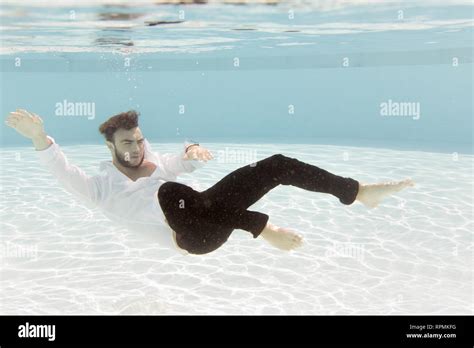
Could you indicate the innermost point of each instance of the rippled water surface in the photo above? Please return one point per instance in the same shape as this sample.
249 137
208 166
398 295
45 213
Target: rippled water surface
259 27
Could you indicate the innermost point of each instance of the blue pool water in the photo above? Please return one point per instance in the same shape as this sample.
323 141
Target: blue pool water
378 92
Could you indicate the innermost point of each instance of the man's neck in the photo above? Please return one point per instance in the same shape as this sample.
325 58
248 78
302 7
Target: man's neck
128 171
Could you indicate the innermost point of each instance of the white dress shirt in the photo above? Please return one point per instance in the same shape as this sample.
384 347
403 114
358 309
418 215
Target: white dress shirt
133 204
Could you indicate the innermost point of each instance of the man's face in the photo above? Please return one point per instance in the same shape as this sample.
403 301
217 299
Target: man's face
129 147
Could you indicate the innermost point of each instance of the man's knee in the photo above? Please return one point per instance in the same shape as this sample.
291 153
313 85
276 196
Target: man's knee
278 158
283 167
282 160
271 162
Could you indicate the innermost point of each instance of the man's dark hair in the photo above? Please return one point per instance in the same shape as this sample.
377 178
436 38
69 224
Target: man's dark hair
126 120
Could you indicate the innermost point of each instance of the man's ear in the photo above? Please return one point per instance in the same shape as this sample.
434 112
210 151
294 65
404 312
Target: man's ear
110 145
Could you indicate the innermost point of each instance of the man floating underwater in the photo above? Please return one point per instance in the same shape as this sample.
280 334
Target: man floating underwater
139 185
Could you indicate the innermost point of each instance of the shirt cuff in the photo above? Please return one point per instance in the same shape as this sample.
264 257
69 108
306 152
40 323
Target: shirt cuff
48 154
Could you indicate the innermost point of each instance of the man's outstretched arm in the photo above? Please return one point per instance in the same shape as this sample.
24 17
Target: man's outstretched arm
71 177
30 125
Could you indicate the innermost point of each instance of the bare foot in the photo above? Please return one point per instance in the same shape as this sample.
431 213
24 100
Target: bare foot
282 238
372 194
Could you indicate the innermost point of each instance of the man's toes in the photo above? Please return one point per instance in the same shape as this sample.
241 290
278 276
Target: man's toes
297 241
407 182
410 182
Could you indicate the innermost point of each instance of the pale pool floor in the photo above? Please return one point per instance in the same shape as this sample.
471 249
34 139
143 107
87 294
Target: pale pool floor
412 255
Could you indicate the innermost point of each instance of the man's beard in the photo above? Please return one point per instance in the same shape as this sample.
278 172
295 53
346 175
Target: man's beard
125 163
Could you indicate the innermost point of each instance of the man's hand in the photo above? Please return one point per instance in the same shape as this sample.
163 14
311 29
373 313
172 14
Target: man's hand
30 125
26 123
197 152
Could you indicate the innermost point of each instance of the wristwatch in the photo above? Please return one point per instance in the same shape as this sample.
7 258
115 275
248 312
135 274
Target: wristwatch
192 143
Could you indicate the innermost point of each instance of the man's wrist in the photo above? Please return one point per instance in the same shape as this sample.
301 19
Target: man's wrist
41 141
188 146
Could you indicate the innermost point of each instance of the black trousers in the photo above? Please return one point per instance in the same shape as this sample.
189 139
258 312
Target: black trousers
203 221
